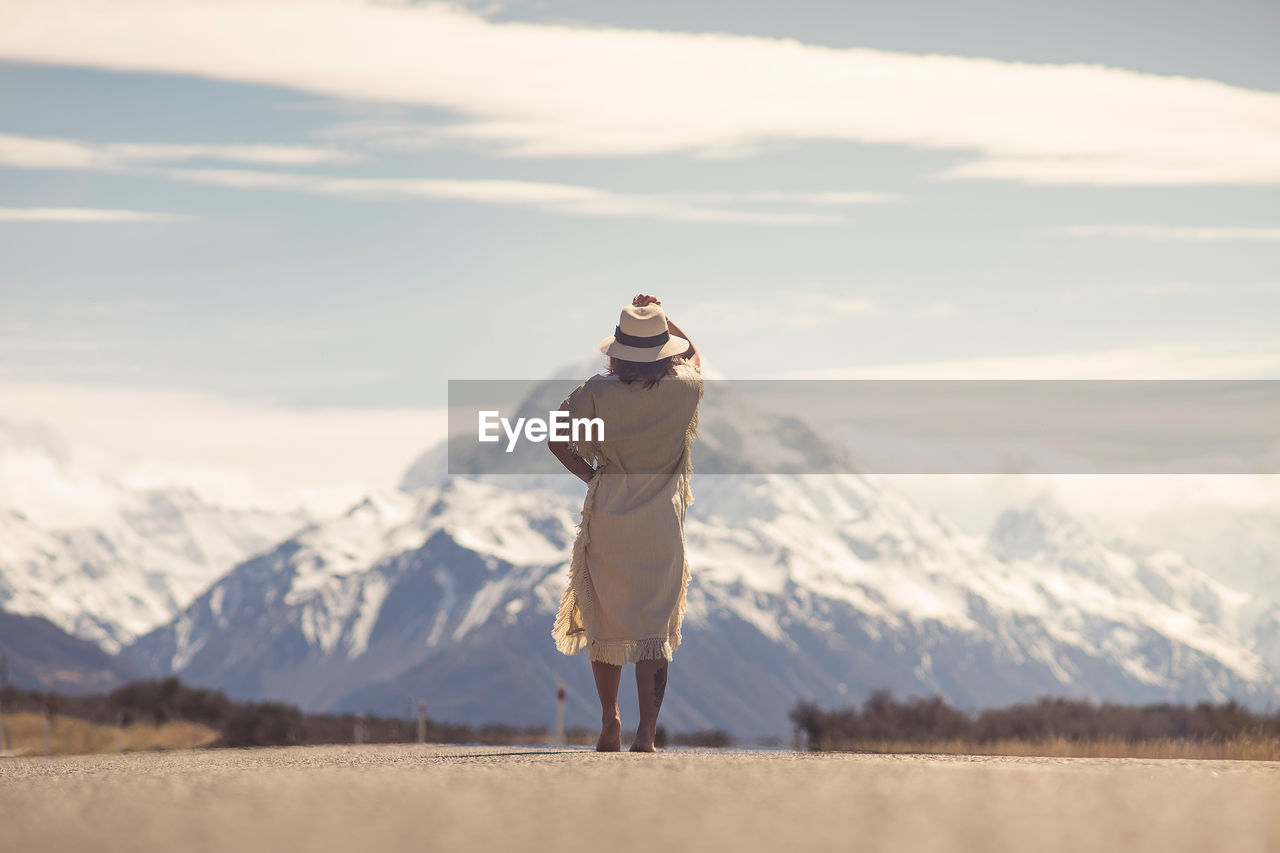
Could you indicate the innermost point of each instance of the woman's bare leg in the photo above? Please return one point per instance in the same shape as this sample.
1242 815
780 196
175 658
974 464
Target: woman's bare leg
608 677
651 685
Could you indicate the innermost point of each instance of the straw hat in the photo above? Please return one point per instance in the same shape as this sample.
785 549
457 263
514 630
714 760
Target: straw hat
642 335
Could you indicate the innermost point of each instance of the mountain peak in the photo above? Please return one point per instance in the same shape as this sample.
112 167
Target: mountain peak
1039 528
33 436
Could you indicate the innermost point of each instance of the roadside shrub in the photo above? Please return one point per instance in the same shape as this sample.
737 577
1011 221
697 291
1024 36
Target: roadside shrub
717 738
264 724
883 719
165 699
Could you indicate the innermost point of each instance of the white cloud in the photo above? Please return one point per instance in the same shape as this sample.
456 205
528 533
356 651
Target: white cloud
389 135
42 153
936 310
1171 288
814 198
559 90
800 309
121 307
1076 295
551 197
84 215
791 309
1210 360
237 450
31 152
975 501
45 345
1170 232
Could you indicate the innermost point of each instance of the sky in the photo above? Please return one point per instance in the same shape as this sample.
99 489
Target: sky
234 232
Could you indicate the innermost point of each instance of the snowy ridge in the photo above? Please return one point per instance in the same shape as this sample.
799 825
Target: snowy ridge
369 589
103 561
1086 584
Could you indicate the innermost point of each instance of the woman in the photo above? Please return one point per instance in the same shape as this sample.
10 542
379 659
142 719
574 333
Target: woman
627 579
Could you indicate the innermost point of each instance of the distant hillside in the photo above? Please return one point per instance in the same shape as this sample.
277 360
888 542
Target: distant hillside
41 656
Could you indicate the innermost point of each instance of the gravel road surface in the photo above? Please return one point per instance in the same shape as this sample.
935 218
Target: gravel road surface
409 797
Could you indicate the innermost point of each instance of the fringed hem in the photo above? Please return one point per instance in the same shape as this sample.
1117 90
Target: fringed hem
691 433
620 652
677 616
570 629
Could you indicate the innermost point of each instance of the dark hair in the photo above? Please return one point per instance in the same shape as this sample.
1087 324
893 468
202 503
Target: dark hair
648 372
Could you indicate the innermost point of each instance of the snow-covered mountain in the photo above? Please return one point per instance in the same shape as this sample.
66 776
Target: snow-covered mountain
104 561
341 614
1238 546
821 587
1164 615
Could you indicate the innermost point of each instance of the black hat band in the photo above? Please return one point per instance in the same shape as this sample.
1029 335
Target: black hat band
642 343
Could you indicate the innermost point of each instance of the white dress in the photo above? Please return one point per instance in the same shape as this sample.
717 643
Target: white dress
628 575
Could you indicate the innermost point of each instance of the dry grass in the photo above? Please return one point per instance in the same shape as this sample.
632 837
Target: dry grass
1260 748
71 736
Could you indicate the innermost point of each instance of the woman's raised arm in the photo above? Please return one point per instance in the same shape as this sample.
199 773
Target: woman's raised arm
691 354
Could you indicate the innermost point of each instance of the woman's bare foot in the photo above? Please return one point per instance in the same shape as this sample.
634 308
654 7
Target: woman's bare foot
607 676
651 686
644 741
610 734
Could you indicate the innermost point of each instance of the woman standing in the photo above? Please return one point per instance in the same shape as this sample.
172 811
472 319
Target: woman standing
628 575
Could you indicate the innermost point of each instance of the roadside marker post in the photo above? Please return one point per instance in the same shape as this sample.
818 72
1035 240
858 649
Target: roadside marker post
5 743
560 695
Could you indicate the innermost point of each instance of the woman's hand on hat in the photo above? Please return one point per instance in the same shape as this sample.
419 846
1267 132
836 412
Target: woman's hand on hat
643 299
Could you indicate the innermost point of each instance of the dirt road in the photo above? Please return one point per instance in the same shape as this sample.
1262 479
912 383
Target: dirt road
404 798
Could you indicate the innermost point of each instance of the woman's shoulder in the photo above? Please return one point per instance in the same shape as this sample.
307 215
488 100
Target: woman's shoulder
584 391
594 385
